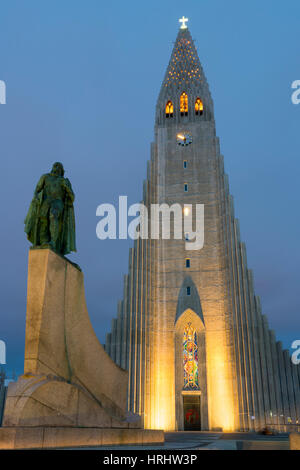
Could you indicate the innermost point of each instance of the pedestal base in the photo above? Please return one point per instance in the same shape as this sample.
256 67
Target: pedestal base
68 437
71 393
295 441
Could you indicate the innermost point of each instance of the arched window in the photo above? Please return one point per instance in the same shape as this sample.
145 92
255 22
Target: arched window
184 107
169 109
198 107
190 359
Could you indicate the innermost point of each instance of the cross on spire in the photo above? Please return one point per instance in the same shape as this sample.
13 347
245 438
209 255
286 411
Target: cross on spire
183 20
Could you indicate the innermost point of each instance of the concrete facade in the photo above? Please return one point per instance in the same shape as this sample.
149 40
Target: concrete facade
246 380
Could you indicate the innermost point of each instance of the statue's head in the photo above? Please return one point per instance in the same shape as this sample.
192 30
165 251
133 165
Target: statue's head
58 169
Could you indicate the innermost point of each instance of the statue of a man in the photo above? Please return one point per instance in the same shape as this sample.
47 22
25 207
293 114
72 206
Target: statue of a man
50 221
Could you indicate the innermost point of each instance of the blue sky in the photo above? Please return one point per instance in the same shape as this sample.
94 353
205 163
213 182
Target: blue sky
82 82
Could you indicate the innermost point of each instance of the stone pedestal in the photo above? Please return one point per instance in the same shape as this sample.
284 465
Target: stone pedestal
70 437
71 393
295 441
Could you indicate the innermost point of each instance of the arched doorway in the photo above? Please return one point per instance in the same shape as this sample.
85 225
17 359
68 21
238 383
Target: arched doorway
190 372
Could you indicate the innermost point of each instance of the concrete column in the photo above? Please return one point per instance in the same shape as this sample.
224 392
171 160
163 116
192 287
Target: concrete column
263 361
133 358
147 326
144 313
129 327
139 313
296 391
244 415
270 418
113 339
283 384
235 312
278 395
149 340
248 340
232 308
124 363
107 343
290 387
260 413
119 333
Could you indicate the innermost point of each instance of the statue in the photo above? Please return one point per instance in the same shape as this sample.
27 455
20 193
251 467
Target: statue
50 221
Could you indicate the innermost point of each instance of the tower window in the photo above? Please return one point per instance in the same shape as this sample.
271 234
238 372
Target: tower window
169 109
186 187
190 358
188 290
184 104
187 263
198 107
185 164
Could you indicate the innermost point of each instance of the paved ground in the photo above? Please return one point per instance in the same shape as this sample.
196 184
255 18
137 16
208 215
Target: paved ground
194 440
175 440
251 441
249 436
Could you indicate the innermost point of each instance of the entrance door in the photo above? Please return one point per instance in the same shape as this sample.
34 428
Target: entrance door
191 412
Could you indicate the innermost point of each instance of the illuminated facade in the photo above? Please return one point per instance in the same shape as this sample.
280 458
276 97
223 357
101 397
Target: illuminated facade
189 329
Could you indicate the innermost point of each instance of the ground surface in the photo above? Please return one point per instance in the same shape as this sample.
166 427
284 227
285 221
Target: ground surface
194 440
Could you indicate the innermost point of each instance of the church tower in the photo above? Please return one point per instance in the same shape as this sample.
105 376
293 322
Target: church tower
189 329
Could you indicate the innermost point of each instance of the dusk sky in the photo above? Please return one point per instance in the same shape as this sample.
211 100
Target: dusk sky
82 82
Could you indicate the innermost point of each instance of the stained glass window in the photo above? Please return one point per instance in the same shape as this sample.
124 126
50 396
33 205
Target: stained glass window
190 358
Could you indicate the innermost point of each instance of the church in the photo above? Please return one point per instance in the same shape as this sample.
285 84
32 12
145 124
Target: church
190 329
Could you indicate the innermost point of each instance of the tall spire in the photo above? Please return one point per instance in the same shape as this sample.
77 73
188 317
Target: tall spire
184 72
184 66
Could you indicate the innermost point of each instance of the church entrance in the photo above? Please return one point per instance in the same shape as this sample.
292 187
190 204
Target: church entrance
191 412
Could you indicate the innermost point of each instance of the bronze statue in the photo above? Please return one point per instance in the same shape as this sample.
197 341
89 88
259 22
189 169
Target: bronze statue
50 222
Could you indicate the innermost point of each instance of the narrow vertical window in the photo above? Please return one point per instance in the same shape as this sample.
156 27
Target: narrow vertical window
187 263
198 107
190 359
185 164
188 290
184 104
169 109
186 187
